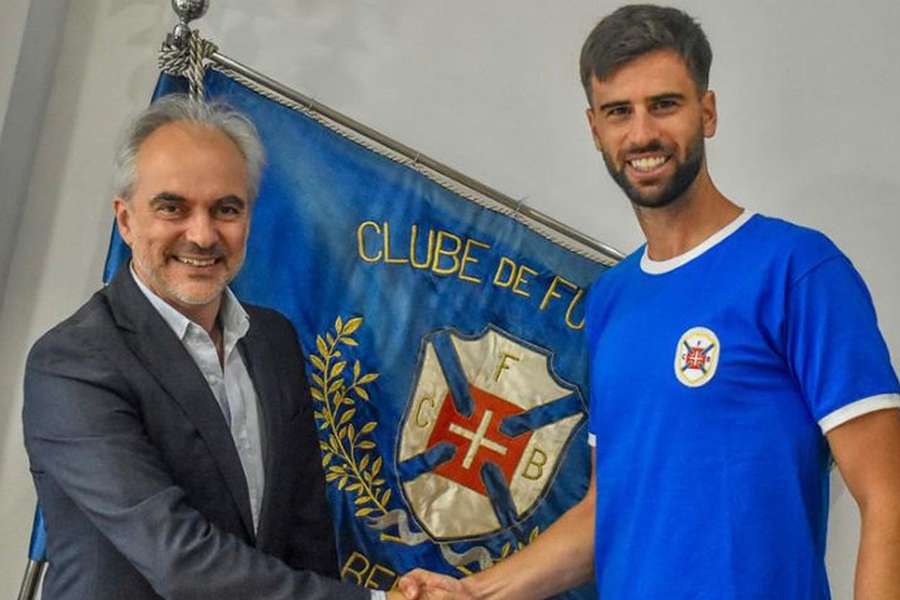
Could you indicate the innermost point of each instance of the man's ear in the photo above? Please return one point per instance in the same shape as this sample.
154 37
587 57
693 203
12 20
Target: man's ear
710 116
593 127
123 218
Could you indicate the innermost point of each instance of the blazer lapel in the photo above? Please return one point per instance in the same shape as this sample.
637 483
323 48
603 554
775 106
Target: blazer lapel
260 361
168 361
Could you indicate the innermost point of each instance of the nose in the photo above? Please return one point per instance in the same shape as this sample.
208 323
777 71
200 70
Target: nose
201 230
643 132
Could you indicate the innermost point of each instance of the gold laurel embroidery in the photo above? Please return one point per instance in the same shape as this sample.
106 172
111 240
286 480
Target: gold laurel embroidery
345 455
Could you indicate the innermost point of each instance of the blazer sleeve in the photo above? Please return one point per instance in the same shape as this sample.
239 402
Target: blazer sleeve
84 430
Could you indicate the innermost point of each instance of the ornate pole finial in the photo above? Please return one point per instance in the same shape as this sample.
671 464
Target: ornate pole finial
184 51
187 10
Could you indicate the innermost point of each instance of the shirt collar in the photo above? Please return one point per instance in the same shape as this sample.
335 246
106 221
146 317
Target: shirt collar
233 318
658 267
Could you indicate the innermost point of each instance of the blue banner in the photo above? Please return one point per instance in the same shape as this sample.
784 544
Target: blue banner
444 343
37 547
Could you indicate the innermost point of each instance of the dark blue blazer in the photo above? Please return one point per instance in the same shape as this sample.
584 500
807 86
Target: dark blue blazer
137 474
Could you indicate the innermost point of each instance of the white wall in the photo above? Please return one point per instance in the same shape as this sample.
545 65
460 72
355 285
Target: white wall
29 43
807 92
12 27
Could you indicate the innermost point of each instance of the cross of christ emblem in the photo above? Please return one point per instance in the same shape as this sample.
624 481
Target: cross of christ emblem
478 439
697 357
483 433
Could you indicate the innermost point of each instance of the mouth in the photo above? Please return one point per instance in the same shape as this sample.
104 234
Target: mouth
203 262
648 165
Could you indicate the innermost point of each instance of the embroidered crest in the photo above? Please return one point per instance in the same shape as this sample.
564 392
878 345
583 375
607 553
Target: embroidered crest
351 458
697 356
484 433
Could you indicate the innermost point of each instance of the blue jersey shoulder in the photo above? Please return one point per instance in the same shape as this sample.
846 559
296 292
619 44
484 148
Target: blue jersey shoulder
621 270
801 248
605 286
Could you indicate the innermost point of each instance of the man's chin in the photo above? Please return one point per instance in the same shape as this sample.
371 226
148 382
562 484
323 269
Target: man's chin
646 195
650 198
195 293
198 297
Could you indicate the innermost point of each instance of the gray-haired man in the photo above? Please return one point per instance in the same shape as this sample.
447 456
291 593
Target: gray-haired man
169 427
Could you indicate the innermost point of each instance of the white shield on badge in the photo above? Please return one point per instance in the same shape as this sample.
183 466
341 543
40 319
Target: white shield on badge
484 433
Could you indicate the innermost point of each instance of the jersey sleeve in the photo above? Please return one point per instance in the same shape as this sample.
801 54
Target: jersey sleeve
835 350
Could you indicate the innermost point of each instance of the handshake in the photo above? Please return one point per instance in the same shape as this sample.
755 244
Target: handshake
559 559
420 584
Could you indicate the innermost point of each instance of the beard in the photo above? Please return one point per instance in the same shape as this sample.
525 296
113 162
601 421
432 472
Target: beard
184 291
685 173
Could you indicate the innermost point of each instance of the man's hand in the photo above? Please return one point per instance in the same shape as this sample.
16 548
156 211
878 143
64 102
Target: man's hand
420 584
560 558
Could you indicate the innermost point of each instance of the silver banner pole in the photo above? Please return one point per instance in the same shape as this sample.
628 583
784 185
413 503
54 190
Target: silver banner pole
32 580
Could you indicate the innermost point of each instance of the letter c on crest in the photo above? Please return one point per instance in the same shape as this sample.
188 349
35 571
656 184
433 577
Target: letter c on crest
422 420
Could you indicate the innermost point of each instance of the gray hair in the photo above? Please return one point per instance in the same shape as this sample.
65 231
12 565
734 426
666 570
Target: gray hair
179 107
634 30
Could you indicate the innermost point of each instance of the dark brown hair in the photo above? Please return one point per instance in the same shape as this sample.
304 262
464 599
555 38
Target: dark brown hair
635 30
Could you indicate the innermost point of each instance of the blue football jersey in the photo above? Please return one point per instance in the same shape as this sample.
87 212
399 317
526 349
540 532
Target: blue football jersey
714 377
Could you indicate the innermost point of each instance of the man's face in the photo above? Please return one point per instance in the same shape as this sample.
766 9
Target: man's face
649 121
188 216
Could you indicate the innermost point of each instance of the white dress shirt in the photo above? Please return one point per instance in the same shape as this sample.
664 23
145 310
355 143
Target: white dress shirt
231 386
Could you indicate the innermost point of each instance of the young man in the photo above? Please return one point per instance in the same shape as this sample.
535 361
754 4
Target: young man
732 357
168 427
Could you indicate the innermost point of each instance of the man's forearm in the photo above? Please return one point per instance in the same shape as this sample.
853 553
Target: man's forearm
867 451
878 565
560 558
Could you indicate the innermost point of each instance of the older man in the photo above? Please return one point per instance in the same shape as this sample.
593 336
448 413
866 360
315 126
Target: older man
169 427
759 359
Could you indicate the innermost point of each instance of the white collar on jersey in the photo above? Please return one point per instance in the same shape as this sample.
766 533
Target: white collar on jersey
657 267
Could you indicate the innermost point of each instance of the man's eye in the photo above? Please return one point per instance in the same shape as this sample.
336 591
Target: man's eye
167 209
664 105
229 211
617 112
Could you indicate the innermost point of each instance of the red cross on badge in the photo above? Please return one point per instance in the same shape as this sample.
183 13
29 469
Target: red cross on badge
478 439
696 358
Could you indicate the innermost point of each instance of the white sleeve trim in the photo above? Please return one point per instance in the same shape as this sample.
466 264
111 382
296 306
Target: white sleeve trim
592 440
378 595
858 409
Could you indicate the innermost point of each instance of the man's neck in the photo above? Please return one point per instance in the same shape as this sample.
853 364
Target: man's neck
683 225
204 315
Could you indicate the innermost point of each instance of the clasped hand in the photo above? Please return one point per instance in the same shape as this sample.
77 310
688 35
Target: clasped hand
420 584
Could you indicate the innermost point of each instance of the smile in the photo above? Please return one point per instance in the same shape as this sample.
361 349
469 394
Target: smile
196 262
647 163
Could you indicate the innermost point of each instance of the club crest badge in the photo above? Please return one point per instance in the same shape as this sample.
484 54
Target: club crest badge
697 356
484 433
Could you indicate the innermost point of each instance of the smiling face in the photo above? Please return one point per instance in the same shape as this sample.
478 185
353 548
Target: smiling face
649 121
188 215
